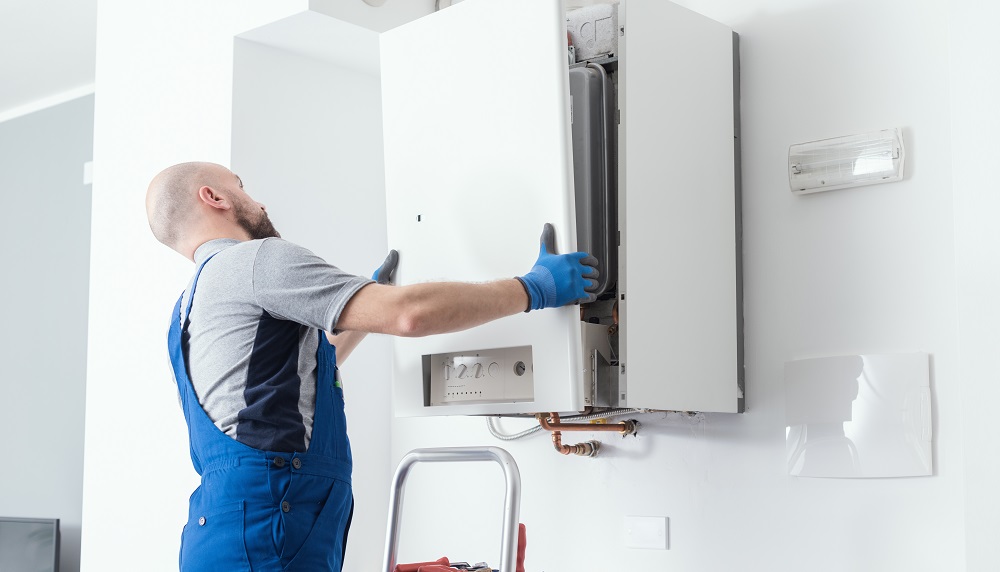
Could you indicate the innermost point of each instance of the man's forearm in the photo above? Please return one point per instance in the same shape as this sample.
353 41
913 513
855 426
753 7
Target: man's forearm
345 342
436 308
454 306
431 308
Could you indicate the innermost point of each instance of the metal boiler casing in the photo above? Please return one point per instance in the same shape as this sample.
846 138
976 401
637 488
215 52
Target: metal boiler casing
479 154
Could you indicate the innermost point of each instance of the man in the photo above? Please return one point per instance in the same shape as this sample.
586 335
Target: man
254 342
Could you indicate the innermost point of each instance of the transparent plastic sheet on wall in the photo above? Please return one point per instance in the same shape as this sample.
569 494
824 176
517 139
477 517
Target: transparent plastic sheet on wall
859 416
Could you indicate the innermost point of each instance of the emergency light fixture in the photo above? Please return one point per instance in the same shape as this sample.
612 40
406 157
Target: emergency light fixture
843 162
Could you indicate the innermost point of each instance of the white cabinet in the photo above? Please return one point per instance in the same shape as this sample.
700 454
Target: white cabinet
478 156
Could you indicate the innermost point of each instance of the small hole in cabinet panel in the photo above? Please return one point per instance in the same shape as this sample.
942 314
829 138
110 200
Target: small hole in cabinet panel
418 218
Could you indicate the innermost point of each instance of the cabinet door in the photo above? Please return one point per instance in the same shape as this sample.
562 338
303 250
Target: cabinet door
679 200
477 159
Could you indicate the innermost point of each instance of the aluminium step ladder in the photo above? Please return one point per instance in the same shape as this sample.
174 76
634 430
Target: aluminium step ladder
512 496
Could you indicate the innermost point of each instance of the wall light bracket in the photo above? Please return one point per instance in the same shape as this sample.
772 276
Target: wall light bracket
843 162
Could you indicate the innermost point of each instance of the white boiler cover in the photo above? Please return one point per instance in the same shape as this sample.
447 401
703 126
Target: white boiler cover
477 159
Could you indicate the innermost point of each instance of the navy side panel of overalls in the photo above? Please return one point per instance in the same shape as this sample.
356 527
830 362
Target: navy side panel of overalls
262 510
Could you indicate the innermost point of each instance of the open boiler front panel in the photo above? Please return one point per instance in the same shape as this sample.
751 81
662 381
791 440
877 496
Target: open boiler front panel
628 143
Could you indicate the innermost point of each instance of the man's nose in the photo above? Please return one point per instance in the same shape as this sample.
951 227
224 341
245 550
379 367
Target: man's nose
262 206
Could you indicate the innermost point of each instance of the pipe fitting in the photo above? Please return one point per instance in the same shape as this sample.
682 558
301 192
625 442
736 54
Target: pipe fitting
630 427
588 449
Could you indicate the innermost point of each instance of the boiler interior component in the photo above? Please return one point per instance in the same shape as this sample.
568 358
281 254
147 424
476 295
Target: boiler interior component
592 100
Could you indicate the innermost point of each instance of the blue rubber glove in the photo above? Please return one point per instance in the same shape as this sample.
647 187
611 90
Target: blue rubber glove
383 274
559 279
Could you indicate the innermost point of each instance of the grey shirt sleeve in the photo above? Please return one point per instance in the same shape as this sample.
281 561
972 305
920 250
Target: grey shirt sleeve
292 283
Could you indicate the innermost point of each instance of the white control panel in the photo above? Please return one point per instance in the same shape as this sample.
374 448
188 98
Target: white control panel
503 375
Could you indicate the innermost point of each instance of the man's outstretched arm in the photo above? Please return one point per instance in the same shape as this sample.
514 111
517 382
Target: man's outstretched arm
435 308
431 308
424 309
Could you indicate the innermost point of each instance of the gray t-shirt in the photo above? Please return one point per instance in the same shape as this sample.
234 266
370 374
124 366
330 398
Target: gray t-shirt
255 325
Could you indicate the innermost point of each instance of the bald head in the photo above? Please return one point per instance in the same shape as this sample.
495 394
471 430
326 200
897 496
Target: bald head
172 197
191 203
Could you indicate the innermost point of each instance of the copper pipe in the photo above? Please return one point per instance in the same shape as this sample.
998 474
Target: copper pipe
588 449
624 427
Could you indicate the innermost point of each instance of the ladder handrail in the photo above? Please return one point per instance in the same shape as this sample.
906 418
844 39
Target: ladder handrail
512 496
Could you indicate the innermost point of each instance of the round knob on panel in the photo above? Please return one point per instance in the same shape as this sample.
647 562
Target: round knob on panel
494 369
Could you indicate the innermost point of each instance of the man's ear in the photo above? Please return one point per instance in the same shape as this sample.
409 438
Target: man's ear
210 197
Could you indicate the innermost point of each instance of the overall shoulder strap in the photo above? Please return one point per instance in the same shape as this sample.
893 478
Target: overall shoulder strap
194 286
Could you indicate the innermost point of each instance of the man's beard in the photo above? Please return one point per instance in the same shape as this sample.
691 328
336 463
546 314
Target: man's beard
259 228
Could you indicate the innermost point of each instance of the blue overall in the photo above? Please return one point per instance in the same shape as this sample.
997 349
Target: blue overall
262 510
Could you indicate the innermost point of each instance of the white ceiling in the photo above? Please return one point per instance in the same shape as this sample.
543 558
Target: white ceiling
47 48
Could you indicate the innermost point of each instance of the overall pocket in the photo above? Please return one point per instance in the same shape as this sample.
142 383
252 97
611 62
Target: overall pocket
213 541
320 537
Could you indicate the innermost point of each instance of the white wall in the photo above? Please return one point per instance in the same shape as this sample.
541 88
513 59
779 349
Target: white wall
975 122
874 269
307 142
164 77
870 269
45 250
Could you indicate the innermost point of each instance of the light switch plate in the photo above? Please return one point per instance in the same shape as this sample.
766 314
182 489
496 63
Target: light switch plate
647 532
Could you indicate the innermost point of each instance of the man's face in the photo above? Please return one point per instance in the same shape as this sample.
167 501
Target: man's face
251 216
